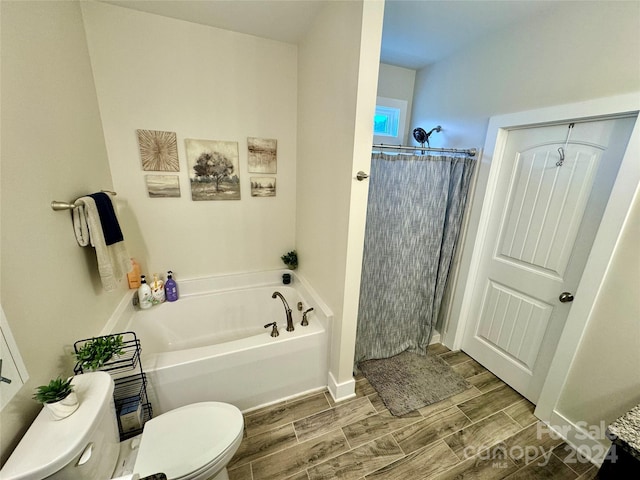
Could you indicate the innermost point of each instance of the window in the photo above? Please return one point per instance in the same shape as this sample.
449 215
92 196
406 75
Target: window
386 121
389 120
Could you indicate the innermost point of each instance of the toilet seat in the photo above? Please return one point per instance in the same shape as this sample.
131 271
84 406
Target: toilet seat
189 440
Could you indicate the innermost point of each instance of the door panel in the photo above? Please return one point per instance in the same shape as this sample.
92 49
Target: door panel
514 323
539 237
540 197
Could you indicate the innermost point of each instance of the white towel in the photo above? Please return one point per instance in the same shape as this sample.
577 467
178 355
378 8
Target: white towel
113 260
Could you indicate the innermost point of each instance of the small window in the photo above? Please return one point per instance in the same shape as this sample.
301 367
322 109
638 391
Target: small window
386 121
389 120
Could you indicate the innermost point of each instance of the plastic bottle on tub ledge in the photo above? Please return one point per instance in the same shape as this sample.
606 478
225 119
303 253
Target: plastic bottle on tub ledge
171 288
133 277
144 294
157 290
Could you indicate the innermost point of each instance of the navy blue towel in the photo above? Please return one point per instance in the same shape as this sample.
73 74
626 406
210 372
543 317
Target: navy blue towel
108 219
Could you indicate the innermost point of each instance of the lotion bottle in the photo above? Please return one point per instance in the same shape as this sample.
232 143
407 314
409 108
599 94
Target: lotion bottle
133 277
144 294
171 288
157 290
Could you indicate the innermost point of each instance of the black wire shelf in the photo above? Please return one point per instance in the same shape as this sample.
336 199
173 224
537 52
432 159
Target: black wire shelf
132 405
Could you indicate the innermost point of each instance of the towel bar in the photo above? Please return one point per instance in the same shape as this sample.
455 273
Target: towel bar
55 205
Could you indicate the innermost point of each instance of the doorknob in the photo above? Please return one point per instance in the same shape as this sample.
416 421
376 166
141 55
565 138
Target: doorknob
565 297
360 176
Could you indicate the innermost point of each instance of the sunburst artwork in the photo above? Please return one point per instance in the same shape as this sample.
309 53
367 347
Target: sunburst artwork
158 151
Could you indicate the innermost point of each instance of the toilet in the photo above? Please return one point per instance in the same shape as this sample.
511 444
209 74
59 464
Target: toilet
194 442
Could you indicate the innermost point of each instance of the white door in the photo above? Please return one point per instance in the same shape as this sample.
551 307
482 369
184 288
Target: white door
545 217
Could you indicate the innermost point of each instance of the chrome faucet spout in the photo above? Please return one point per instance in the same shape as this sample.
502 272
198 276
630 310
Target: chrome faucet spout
287 310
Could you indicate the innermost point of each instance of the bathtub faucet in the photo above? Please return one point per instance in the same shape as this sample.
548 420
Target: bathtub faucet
286 309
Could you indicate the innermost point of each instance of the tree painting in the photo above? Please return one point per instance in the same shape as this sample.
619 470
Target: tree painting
214 169
213 165
263 186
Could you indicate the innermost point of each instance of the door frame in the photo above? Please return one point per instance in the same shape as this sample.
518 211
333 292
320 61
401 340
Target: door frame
620 201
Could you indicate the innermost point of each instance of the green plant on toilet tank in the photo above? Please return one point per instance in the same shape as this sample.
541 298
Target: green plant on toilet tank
290 259
59 398
98 351
57 389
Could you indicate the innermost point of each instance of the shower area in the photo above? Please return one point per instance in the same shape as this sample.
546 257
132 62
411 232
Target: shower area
416 206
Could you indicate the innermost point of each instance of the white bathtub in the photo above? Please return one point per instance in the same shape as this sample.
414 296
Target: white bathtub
212 345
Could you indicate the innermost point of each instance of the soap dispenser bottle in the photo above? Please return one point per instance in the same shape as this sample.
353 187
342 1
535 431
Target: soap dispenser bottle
144 294
171 288
157 290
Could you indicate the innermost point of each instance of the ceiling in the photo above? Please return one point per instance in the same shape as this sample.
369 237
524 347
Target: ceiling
416 33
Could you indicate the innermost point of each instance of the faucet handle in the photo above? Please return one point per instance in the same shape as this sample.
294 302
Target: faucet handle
304 321
274 331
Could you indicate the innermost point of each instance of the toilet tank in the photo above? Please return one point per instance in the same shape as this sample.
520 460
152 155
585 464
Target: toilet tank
82 446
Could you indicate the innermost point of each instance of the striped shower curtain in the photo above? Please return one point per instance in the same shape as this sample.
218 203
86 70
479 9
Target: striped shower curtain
414 216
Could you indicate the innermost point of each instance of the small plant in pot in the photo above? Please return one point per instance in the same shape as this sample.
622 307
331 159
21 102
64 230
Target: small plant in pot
98 351
58 396
290 259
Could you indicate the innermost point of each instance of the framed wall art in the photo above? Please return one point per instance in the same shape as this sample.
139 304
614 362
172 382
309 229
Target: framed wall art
213 169
158 151
263 186
263 155
163 186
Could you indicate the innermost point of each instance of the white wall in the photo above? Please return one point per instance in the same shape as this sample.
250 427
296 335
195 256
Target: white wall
604 380
201 82
580 50
337 87
52 149
397 82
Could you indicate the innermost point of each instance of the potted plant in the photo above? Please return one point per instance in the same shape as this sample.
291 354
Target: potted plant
58 396
98 351
290 259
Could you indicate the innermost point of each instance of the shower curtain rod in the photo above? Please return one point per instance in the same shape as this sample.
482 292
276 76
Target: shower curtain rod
472 152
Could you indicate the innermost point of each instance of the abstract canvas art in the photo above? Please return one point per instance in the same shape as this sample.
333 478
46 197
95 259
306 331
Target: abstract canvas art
263 155
158 151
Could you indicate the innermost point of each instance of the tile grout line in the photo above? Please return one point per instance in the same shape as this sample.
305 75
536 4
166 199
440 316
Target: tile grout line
335 455
399 446
568 465
295 432
451 449
351 447
511 418
467 416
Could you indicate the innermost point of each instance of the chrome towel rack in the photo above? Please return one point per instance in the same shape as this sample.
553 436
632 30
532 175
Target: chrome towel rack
56 205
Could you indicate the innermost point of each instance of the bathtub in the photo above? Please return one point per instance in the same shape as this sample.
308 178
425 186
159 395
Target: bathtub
212 345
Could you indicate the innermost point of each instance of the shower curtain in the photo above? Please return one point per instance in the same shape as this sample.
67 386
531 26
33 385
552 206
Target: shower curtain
414 216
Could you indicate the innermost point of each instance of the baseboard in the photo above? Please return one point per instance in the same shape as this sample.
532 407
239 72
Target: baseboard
589 440
341 391
306 393
435 338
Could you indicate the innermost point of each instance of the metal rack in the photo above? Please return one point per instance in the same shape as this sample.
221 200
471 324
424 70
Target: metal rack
130 382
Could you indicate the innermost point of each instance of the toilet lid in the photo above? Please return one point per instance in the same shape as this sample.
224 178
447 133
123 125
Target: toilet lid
187 439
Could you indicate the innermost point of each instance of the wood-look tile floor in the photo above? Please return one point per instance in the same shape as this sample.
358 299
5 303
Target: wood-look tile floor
485 433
